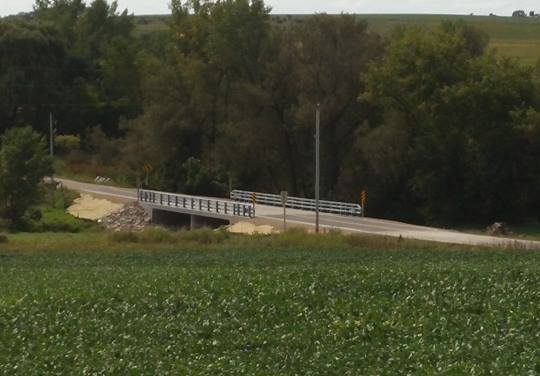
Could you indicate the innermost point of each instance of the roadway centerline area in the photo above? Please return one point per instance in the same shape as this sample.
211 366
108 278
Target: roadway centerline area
129 194
328 223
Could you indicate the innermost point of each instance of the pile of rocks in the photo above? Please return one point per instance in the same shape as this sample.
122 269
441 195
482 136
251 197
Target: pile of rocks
131 217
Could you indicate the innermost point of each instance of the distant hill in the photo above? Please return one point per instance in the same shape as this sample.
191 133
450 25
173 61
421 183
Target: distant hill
511 36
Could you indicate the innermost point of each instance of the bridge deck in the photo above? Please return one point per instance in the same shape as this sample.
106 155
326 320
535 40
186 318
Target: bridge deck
194 205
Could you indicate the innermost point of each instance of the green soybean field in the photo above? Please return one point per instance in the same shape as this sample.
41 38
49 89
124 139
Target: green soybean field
268 307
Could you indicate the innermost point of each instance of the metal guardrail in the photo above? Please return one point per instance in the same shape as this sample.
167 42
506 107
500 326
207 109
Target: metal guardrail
342 208
173 200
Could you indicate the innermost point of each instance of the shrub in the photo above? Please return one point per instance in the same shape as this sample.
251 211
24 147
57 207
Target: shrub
67 143
34 214
123 237
205 236
105 149
156 235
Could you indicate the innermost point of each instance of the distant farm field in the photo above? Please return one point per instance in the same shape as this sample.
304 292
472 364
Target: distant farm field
513 37
267 305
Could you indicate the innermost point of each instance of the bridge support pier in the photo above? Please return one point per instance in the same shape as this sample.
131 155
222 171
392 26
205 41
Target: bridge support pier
194 222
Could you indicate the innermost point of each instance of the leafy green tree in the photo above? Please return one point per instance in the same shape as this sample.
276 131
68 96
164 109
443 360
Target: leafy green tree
101 82
191 92
31 63
23 165
465 158
318 61
62 14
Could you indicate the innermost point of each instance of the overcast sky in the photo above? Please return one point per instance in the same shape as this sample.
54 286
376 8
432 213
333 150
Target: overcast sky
329 6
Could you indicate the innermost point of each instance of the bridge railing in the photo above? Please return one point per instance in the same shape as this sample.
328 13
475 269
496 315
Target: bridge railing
341 208
199 204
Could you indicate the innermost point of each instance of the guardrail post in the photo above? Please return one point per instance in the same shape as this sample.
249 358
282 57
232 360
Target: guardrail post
217 206
176 201
200 204
226 207
168 200
192 203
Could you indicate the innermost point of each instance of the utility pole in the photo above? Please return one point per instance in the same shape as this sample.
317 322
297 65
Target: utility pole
317 165
284 197
51 135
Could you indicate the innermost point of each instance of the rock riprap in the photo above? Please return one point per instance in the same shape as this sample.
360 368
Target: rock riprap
132 217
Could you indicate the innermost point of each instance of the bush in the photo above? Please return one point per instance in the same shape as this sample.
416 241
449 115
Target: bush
3 239
67 144
205 236
104 149
33 214
59 225
156 235
123 237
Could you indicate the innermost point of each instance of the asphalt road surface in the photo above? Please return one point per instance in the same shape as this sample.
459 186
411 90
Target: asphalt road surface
274 216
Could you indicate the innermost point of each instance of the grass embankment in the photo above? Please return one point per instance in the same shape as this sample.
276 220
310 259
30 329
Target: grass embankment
212 303
53 216
50 216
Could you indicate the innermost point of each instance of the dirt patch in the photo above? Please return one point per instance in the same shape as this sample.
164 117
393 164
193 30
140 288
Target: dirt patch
89 207
251 229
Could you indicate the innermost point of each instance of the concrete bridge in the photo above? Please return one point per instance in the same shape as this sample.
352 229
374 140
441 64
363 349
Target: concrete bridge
199 211
172 208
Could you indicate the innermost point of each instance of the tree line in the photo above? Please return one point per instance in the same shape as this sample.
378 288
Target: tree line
437 127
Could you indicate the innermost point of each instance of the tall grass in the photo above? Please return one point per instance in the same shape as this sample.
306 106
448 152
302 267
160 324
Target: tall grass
161 239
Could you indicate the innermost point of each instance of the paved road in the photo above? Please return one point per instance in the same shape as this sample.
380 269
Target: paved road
112 193
274 216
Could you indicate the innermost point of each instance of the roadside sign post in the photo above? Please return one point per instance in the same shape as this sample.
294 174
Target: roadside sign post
254 201
284 196
138 184
363 200
317 164
51 135
147 168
